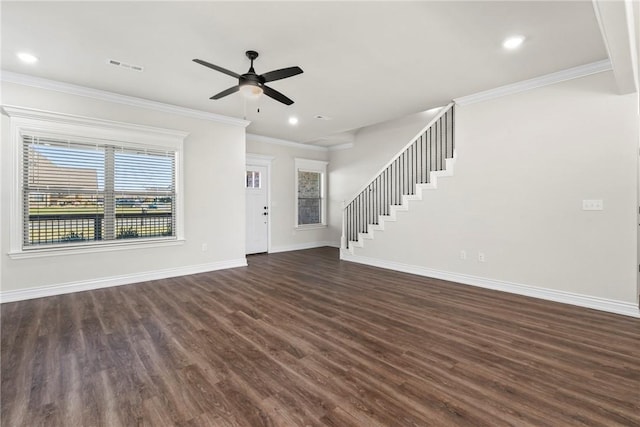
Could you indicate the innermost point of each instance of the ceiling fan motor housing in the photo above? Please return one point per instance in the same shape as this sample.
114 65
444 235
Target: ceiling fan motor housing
251 79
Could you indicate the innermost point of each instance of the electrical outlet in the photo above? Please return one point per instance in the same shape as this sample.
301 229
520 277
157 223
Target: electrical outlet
481 256
592 205
463 255
205 247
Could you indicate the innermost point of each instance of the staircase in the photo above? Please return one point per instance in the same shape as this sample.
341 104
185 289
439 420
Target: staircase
408 174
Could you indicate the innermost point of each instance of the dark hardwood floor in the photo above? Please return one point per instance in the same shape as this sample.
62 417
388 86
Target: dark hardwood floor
302 339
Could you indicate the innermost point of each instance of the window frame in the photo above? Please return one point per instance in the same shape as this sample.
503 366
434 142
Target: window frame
317 166
45 124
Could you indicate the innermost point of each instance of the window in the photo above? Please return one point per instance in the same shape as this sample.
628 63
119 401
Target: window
77 192
83 186
310 193
309 197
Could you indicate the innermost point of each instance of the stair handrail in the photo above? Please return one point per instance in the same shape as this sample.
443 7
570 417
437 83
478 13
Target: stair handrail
441 113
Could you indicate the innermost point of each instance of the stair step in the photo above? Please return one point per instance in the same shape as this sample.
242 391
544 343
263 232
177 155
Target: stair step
411 197
398 208
406 198
377 227
426 186
353 244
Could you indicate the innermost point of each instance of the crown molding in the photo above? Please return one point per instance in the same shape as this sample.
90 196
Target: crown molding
616 22
536 82
99 128
286 143
102 95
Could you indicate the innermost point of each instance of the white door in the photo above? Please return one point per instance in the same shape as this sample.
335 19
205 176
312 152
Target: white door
257 209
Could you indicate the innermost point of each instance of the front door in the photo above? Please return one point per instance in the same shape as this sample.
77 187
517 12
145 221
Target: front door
257 209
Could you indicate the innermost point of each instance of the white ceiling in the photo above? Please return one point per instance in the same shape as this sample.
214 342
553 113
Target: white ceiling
363 62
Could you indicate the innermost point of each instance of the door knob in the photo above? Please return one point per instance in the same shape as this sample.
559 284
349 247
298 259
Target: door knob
266 207
265 213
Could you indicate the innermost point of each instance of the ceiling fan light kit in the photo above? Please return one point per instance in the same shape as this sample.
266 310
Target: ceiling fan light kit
251 84
251 91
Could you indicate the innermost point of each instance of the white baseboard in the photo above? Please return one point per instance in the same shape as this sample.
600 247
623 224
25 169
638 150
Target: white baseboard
105 282
301 246
597 303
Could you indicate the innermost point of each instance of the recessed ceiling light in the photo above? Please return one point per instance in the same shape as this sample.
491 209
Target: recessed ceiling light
513 42
27 57
293 120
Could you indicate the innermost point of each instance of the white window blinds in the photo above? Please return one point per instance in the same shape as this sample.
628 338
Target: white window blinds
83 192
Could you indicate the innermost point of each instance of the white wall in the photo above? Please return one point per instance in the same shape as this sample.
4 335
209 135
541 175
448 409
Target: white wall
350 169
284 235
214 155
525 163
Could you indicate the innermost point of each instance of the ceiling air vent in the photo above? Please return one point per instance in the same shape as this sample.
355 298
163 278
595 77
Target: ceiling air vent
121 64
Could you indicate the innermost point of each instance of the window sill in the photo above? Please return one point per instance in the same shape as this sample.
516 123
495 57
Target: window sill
88 249
310 226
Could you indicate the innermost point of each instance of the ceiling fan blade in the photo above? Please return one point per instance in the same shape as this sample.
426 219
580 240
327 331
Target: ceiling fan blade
276 95
215 67
226 92
281 74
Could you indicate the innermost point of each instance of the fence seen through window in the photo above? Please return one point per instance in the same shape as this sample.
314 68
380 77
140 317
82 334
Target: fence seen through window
80 192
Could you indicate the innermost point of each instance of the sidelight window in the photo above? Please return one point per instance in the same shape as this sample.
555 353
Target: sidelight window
310 193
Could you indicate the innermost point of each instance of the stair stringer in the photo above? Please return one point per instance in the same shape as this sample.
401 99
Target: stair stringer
372 229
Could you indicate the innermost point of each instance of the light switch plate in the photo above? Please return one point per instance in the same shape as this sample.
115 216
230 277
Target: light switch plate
592 205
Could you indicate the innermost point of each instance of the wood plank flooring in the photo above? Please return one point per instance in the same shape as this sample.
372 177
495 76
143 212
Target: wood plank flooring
302 339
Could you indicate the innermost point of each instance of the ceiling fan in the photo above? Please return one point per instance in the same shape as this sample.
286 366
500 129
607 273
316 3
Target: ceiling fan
253 84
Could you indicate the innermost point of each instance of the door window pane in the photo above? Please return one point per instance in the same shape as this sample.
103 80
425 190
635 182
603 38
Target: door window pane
253 179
